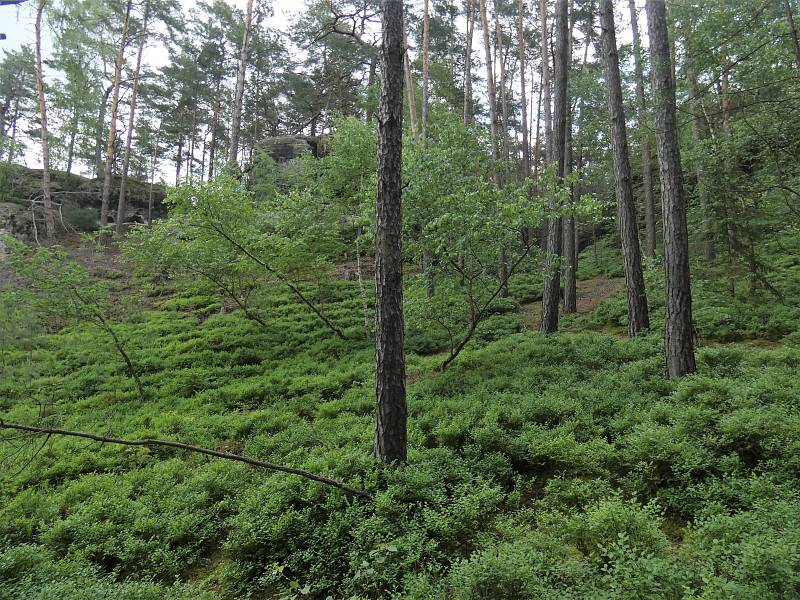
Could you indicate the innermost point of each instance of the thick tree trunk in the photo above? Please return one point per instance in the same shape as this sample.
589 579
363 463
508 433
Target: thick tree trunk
236 120
642 119
638 317
49 219
126 160
468 63
390 376
426 39
112 129
551 294
679 343
525 171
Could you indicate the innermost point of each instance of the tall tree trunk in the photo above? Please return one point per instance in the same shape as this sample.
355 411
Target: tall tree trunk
412 101
112 129
49 220
12 147
4 109
730 207
390 375
98 137
526 158
468 63
178 162
236 120
793 30
425 68
698 135
501 56
568 234
551 294
152 181
642 120
679 343
73 133
537 153
126 160
371 82
212 151
492 92
547 100
638 317
570 242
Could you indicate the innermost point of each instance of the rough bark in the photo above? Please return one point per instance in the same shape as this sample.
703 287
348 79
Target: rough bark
112 129
638 317
551 294
236 120
470 9
126 160
642 120
679 342
390 380
49 219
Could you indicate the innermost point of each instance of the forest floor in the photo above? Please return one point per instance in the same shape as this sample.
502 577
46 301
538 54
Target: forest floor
591 292
559 466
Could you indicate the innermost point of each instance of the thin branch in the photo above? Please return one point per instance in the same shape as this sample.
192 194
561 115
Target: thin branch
172 444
